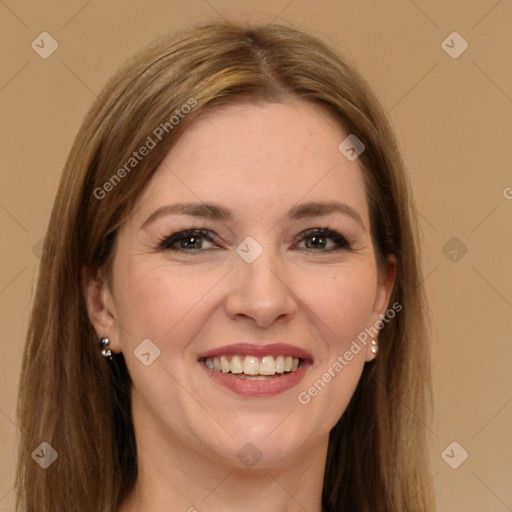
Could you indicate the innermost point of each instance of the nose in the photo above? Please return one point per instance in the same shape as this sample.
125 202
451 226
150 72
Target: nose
260 293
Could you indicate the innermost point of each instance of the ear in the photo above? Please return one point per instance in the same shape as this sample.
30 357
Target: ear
100 306
385 281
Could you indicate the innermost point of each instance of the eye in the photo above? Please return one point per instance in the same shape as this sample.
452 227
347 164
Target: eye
323 240
193 240
189 241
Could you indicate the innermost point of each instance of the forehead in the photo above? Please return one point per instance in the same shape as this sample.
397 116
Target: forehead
250 155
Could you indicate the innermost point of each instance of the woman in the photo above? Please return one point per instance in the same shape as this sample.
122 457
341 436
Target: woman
230 312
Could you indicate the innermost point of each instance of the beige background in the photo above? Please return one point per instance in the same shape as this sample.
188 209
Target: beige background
454 121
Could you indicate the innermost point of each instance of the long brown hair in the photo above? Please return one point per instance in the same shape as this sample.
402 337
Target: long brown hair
71 398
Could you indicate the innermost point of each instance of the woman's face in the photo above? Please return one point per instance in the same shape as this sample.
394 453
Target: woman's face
257 180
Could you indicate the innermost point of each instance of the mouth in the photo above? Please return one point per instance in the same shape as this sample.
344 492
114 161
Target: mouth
255 370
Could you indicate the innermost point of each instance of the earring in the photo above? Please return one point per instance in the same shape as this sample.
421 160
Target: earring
375 347
105 351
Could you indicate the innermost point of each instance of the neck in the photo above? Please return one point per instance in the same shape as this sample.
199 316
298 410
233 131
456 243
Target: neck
172 474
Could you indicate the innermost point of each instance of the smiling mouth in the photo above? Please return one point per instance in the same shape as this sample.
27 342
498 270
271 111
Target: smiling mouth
253 367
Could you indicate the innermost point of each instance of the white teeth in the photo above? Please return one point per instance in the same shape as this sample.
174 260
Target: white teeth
253 377
224 364
252 365
267 366
236 365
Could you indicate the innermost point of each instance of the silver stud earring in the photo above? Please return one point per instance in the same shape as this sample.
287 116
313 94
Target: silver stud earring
374 348
105 351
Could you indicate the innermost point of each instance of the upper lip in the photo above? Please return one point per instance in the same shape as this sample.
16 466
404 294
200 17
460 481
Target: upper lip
251 349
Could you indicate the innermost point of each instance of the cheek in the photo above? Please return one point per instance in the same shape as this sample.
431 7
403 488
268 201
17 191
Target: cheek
159 302
163 302
342 303
342 300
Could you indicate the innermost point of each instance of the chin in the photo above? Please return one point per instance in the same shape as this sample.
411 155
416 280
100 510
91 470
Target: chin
263 444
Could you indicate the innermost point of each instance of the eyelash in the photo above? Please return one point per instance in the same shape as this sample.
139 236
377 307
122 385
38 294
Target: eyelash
168 242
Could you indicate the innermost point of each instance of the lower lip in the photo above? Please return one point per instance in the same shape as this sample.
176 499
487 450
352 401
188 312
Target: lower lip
258 388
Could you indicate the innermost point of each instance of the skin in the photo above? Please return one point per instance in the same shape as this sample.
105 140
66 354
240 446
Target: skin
259 161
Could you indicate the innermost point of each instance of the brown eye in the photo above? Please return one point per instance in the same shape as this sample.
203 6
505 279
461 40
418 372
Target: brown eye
190 240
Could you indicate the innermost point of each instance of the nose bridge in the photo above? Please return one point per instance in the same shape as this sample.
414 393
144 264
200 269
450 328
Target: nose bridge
259 288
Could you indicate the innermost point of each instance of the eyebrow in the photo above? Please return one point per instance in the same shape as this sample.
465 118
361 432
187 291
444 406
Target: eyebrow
216 212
